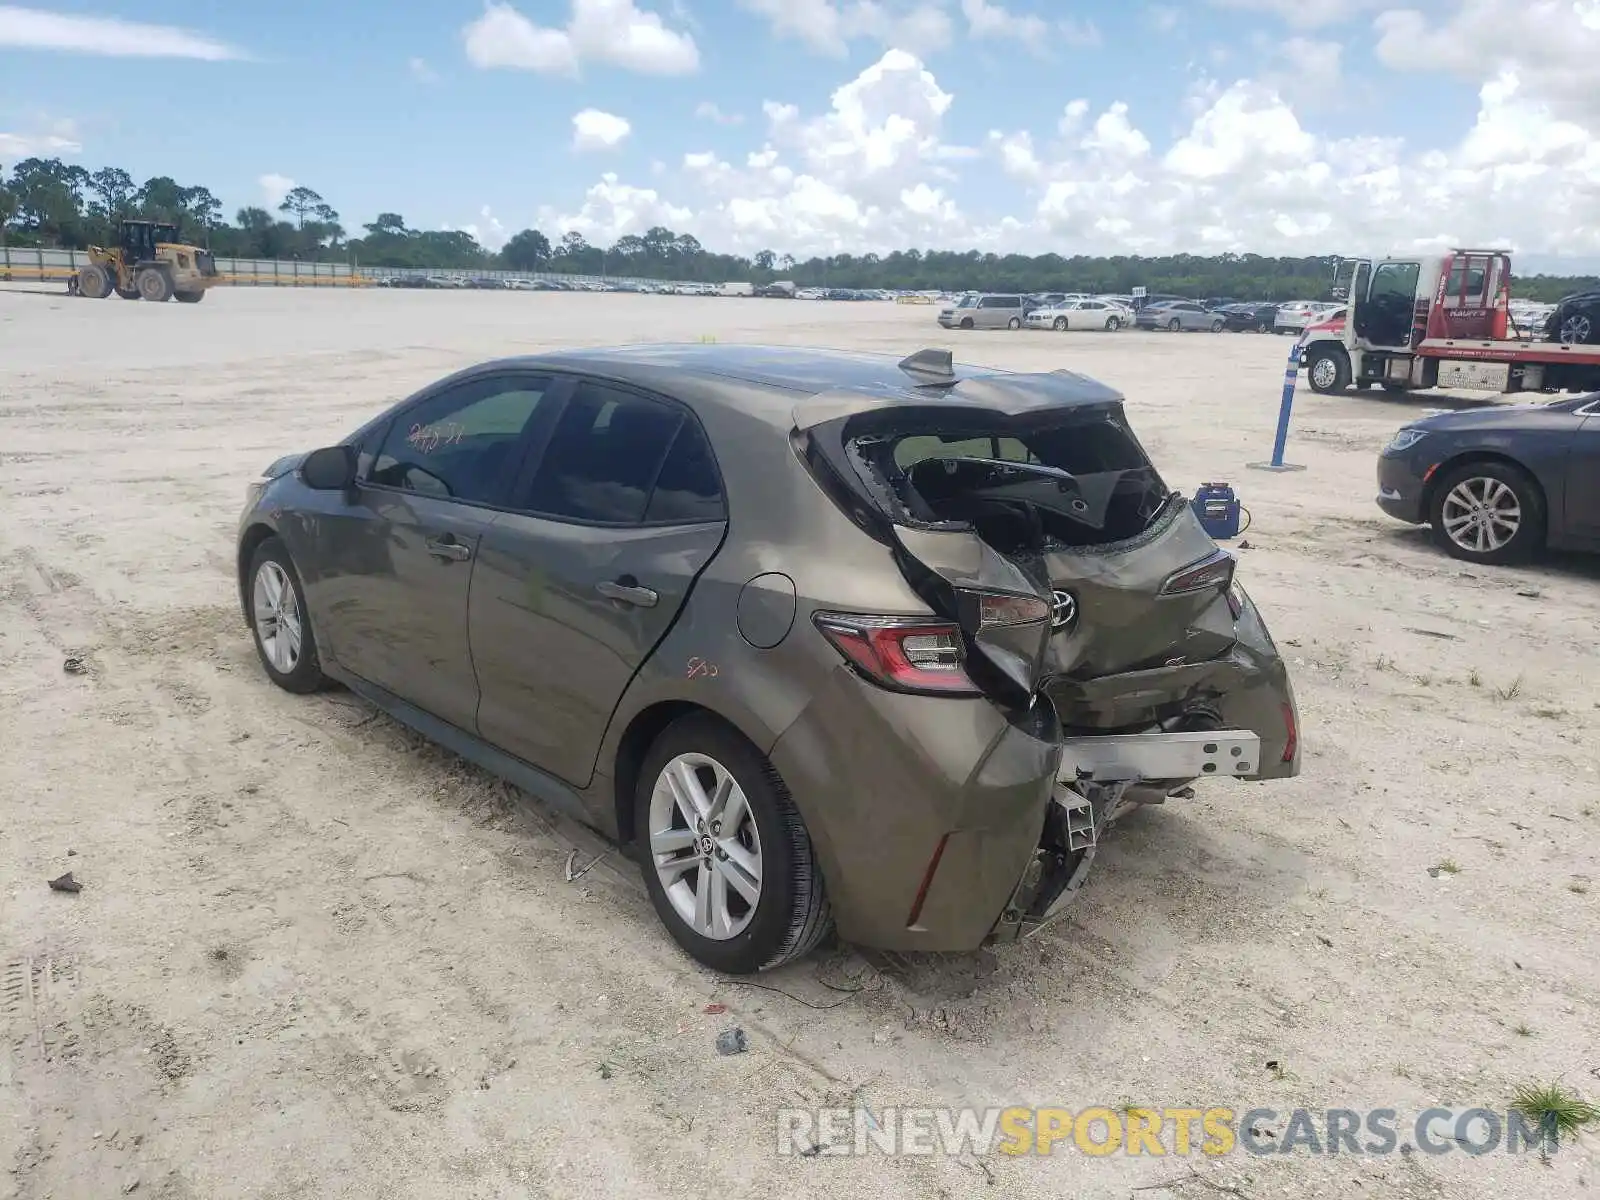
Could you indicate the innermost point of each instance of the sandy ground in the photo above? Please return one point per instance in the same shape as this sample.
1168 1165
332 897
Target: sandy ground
316 957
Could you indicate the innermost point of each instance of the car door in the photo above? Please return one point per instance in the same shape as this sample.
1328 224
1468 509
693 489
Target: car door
614 521
989 314
398 560
1583 477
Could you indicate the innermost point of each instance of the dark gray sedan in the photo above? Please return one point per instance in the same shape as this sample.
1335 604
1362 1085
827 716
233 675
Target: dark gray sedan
1497 484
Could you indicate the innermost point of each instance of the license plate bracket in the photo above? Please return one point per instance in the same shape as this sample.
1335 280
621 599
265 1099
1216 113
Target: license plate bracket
1217 753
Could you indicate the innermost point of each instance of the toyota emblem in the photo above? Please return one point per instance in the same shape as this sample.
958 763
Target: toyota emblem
1063 610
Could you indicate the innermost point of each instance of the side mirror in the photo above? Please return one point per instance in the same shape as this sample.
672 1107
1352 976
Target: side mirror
331 469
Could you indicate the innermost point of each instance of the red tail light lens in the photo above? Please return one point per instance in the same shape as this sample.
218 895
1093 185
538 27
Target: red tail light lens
1292 746
904 654
1213 571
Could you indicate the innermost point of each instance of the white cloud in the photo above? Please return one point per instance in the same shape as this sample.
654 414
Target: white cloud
829 26
35 29
1244 173
421 71
1309 71
596 130
707 110
274 188
48 140
488 232
986 20
1552 46
615 32
1304 14
1163 18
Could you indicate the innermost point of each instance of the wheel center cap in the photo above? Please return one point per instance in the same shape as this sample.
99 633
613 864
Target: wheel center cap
707 845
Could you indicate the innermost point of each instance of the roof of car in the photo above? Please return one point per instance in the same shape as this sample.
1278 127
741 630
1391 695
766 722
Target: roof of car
782 376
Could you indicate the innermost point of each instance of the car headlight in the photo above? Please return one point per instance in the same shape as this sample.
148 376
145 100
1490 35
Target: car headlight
1404 440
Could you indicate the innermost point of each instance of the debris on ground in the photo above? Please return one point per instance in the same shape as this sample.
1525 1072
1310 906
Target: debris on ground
732 1041
74 665
715 1010
65 883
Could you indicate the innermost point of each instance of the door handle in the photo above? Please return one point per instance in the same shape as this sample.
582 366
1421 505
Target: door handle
447 548
627 591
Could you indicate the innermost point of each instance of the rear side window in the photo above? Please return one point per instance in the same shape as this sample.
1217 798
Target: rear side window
688 487
603 457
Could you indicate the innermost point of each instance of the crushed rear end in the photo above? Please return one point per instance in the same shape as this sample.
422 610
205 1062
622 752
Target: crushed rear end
1023 509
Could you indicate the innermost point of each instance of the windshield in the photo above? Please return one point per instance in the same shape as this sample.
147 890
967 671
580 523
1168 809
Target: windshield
967 302
1080 479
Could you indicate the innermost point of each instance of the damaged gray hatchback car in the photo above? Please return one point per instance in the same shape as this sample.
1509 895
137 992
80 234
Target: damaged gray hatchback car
823 638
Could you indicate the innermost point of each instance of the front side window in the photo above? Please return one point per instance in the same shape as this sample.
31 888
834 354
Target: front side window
459 444
604 457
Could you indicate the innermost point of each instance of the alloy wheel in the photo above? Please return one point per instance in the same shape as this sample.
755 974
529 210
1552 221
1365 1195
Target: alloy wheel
277 617
1577 330
1481 514
705 846
1324 373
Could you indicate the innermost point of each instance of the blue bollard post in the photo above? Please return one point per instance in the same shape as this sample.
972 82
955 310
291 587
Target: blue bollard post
1280 440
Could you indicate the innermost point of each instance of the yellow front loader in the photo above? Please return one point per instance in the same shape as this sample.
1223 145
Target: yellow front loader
148 263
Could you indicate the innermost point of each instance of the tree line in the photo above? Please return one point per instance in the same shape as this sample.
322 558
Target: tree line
48 202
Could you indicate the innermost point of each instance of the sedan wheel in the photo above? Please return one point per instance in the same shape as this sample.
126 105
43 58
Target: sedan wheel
1488 512
1577 330
1060 323
725 855
283 636
705 846
1113 324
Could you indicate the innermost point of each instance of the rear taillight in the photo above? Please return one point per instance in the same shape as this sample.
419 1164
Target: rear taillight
996 610
904 654
1213 571
1292 746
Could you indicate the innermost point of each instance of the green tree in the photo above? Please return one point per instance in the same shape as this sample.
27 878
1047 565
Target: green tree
526 251
301 202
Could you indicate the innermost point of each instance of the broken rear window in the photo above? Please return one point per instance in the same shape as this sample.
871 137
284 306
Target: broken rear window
1079 478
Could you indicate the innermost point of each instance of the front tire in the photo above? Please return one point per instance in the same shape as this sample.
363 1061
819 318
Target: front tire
279 622
190 297
1328 370
1060 324
1174 325
1488 512
1216 326
725 855
966 322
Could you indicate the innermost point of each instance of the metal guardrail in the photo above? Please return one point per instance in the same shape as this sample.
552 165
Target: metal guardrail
26 264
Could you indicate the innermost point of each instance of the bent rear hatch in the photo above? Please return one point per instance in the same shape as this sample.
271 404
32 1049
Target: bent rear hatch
1024 508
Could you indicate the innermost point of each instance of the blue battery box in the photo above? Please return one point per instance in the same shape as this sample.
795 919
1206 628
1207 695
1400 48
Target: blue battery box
1218 510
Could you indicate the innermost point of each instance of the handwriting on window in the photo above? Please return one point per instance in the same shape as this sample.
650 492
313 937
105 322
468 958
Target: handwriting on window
425 439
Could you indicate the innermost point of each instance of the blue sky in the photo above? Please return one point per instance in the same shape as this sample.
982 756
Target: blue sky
445 109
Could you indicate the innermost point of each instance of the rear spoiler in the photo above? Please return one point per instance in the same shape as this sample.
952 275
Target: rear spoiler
991 394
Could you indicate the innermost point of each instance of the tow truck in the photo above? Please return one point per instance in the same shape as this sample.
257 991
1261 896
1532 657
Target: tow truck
1407 317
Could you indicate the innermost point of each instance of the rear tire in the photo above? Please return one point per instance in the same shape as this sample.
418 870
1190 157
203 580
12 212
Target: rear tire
190 297
1014 323
94 281
1508 500
154 285
790 914
276 606
1113 324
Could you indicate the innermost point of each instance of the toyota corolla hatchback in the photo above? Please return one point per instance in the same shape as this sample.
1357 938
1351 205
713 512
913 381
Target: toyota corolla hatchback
821 638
